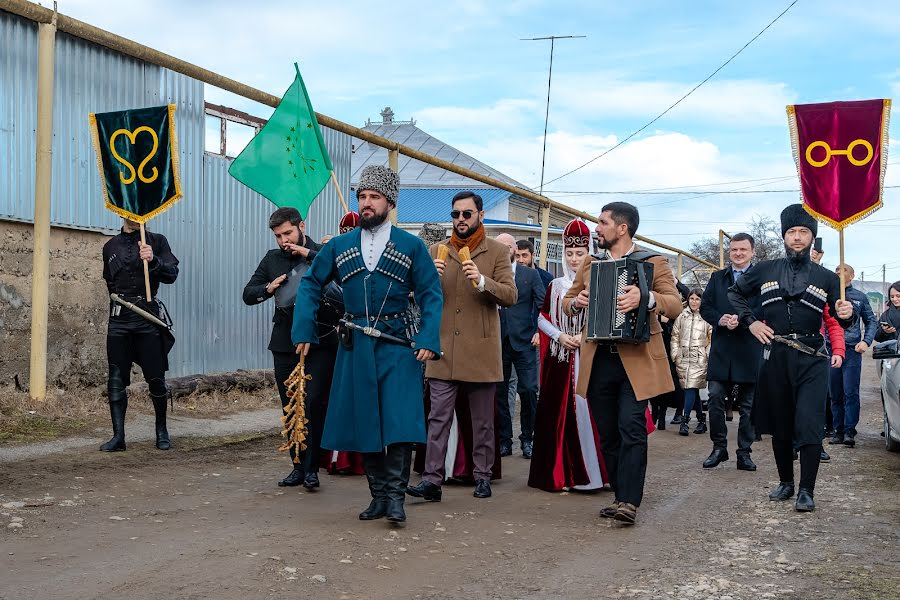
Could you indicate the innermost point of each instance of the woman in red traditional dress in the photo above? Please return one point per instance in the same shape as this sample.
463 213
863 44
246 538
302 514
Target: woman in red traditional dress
566 447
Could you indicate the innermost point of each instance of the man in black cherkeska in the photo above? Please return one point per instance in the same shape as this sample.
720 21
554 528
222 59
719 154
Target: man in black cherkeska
130 338
794 373
278 276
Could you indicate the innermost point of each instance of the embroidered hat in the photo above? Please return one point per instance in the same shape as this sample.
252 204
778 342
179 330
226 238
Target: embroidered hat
380 179
796 216
349 222
577 234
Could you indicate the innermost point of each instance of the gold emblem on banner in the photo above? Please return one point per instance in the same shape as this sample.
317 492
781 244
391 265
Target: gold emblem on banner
132 136
848 152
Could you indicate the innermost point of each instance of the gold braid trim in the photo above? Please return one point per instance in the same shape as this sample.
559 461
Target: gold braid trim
294 421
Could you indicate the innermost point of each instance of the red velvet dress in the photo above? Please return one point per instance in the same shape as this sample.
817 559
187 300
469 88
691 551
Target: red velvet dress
566 446
342 463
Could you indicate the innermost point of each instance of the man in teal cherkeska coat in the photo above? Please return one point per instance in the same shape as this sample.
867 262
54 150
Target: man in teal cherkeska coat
376 405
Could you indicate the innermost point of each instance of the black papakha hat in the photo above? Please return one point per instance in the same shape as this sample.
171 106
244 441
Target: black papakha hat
796 216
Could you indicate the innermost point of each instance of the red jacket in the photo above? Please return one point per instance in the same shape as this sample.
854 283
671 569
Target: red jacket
835 334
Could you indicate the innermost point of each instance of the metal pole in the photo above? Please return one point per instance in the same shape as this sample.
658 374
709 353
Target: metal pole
394 165
547 115
721 249
545 234
545 214
40 270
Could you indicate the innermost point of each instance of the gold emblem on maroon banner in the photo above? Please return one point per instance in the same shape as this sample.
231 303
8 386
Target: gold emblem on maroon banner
848 152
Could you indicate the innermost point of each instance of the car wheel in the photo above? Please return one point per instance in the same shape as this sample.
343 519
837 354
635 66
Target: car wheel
889 443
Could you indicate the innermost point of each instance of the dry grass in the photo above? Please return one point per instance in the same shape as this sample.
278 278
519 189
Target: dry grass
70 412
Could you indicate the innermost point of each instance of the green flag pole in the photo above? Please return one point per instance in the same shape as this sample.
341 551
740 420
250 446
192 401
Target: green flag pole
318 132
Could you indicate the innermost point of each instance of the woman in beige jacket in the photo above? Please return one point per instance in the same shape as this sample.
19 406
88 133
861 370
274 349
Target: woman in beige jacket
690 352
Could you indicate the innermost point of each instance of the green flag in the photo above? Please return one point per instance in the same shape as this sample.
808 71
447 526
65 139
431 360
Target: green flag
286 161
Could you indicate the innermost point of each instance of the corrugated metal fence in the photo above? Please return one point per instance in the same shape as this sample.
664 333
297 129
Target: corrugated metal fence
218 230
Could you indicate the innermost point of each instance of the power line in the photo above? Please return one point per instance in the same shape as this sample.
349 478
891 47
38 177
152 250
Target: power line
693 193
677 102
686 189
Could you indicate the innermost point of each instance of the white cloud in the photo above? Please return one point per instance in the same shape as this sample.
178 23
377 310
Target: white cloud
736 103
506 114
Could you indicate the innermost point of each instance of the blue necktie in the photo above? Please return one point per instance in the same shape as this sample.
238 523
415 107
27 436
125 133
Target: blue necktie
737 275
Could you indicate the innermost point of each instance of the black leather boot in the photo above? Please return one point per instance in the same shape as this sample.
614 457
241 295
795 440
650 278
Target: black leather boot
293 479
716 457
373 462
117 409
162 434
784 491
805 502
425 490
397 463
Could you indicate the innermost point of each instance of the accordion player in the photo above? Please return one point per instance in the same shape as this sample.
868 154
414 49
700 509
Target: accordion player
608 280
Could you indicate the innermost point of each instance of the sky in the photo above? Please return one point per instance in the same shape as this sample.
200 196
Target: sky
460 69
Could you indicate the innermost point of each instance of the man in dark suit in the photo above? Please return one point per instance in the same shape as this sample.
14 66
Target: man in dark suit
525 257
733 358
518 326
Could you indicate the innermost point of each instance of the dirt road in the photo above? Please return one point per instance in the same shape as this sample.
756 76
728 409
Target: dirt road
206 520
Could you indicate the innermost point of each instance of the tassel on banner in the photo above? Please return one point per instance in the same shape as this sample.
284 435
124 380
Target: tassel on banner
294 421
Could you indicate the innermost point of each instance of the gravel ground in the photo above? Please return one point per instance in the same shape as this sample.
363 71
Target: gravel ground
206 519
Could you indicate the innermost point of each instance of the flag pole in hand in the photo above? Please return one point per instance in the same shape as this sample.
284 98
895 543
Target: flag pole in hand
146 265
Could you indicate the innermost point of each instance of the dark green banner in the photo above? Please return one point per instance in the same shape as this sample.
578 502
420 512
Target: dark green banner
137 155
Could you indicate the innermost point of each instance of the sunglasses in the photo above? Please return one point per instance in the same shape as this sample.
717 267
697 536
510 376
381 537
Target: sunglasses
466 214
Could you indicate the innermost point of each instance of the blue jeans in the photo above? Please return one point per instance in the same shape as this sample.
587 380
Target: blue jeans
692 396
844 384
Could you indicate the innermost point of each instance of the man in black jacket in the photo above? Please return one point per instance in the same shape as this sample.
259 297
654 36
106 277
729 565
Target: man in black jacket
793 294
733 357
518 326
130 338
278 276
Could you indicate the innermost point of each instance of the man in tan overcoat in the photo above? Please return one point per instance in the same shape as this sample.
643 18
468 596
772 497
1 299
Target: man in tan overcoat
618 379
470 340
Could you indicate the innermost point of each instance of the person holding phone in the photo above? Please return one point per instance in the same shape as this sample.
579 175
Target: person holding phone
889 321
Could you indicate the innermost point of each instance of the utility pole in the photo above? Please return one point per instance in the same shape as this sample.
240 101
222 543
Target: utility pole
545 216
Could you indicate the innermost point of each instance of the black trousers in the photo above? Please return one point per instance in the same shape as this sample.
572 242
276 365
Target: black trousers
144 349
789 406
621 425
319 365
526 370
718 432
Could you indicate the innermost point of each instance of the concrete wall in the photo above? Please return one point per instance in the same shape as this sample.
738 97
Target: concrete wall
78 306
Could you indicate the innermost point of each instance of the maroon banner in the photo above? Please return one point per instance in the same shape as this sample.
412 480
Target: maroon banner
840 149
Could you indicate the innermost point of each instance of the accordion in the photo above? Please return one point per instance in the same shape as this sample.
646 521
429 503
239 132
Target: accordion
608 280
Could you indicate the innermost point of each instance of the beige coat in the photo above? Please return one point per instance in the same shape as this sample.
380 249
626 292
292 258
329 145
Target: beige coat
470 322
690 348
647 365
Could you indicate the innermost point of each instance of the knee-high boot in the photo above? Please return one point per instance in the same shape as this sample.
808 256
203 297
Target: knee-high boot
374 465
159 407
118 405
397 465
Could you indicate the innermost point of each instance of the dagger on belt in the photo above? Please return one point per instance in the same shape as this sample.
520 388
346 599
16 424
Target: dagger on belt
139 311
378 334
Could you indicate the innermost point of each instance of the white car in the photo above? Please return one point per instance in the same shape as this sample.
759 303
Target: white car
889 373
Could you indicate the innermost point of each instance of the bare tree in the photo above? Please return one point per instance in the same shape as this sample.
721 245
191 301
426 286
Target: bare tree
765 231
